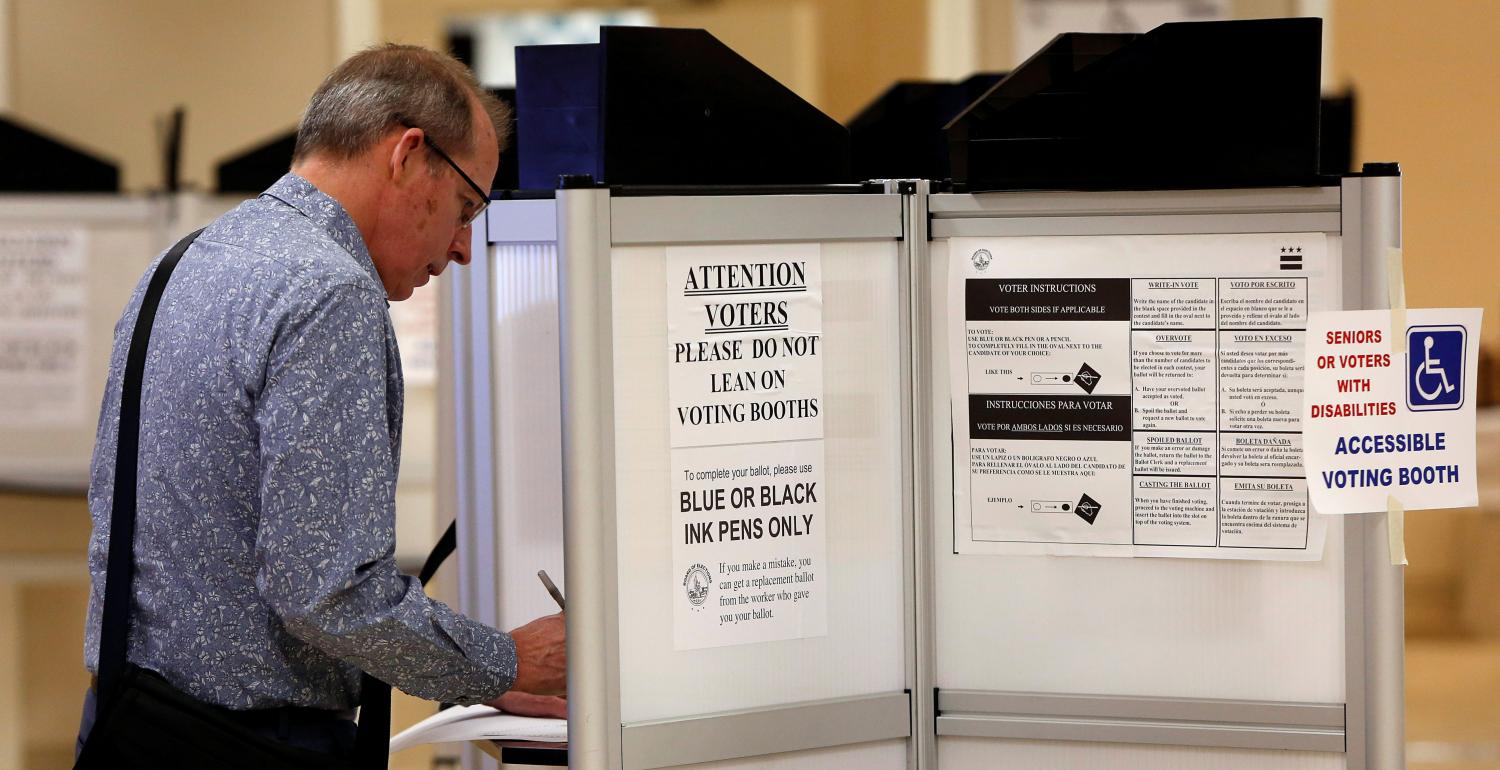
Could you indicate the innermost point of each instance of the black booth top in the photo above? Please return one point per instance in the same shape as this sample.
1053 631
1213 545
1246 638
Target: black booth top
651 112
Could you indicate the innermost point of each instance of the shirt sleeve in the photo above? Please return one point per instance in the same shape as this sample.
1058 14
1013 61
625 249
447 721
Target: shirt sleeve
325 546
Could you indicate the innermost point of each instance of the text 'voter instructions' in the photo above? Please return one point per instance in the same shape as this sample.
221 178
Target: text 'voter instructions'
1133 395
1379 423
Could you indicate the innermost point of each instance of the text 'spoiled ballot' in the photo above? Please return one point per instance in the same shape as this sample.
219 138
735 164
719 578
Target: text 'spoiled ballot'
1133 395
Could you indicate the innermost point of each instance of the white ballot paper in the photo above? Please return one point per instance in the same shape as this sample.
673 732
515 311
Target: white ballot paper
1133 395
745 385
479 723
1384 423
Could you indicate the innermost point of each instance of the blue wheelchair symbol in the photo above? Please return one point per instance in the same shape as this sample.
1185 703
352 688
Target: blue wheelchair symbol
1434 368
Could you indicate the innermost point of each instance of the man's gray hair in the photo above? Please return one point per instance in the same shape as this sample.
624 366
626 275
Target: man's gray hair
376 90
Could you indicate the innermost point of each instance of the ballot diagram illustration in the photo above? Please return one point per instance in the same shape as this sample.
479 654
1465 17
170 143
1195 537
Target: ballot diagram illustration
1087 508
1086 378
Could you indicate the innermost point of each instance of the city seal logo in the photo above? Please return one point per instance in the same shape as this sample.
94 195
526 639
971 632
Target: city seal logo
982 259
696 583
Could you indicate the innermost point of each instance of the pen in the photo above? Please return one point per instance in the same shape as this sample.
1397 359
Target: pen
552 589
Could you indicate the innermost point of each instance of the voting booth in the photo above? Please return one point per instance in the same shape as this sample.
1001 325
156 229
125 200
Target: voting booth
1246 626
68 262
730 624
63 228
710 383
72 248
1230 652
876 476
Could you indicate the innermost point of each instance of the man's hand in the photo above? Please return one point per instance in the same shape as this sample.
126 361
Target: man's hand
542 656
527 705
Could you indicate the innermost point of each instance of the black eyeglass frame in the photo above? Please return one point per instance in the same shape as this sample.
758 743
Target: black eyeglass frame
484 197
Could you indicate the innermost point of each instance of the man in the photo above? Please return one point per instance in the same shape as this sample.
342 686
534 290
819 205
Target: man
271 422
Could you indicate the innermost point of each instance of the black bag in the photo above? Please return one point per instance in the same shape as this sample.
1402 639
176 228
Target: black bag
144 722
147 724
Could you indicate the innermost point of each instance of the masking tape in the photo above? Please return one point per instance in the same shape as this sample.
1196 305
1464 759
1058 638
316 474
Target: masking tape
1395 524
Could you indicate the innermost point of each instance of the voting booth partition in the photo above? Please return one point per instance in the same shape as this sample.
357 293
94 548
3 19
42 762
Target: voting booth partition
932 637
72 248
712 388
1260 650
890 475
71 261
68 263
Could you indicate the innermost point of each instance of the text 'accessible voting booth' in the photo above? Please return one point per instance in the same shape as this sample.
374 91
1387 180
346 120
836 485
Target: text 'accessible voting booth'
874 476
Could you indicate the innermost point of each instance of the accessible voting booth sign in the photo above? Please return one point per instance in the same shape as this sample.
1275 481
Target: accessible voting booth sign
1389 410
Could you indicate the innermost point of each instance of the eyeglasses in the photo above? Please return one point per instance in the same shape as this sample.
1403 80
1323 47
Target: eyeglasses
468 215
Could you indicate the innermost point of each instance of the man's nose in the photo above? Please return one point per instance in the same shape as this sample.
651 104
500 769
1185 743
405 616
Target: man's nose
458 250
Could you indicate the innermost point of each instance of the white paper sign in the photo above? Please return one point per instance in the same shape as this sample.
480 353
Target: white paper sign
745 378
43 327
746 325
1133 395
1379 423
749 544
415 321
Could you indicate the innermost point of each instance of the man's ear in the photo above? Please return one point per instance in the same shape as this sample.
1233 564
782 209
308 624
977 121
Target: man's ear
403 154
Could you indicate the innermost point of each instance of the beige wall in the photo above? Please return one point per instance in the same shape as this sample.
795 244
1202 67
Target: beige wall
778 36
43 591
1427 97
837 54
101 73
1425 77
98 73
995 23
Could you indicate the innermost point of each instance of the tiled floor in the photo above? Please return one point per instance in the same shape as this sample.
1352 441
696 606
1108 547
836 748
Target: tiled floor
1453 704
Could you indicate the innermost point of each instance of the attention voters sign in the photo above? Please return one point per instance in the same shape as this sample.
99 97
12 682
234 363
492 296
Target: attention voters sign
1388 409
745 381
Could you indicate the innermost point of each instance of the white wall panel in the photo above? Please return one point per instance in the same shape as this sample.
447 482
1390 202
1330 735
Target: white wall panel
863 651
1151 627
527 462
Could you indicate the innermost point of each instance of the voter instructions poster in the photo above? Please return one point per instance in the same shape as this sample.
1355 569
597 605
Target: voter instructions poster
1389 411
43 327
745 382
1134 395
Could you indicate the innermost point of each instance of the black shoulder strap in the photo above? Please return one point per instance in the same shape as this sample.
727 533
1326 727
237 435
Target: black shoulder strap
372 745
440 552
114 632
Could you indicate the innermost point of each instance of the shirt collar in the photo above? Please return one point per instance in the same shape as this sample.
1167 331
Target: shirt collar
326 213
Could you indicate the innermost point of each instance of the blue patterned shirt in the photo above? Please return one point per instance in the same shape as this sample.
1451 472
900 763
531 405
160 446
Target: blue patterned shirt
270 433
